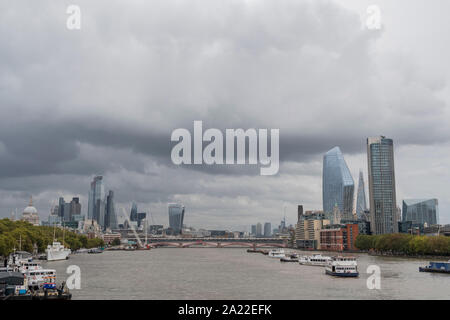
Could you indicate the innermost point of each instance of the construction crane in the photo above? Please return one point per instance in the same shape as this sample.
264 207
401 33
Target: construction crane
132 227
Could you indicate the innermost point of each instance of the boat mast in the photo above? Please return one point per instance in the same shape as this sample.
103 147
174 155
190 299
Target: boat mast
146 232
64 231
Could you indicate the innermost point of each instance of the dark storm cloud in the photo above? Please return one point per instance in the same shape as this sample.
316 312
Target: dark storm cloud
105 99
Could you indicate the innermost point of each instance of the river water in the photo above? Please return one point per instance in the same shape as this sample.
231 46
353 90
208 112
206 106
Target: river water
219 273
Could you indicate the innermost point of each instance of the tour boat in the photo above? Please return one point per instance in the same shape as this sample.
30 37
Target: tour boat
41 278
439 267
342 266
314 260
278 253
56 251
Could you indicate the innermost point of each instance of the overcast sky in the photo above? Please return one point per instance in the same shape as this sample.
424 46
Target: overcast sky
105 99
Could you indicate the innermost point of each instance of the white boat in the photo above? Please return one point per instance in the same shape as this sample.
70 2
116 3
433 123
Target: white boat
29 265
56 251
314 260
44 278
342 266
278 253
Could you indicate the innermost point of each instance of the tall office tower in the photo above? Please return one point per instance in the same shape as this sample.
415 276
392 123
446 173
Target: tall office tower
383 205
75 206
361 205
254 229
267 229
110 212
258 229
54 211
61 203
96 202
299 212
134 212
141 217
421 211
176 217
67 214
337 184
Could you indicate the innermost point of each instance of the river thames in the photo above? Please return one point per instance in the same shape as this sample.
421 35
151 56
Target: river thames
219 273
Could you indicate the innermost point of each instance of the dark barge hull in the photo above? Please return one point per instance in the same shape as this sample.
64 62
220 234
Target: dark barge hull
433 270
66 296
288 260
341 274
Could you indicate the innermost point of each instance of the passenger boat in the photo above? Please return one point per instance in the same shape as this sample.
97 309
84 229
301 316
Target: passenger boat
24 279
37 278
439 267
314 260
278 253
342 266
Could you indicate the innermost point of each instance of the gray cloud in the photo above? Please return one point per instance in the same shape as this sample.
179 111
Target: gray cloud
105 99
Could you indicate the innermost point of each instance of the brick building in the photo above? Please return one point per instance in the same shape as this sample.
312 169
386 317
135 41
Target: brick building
339 237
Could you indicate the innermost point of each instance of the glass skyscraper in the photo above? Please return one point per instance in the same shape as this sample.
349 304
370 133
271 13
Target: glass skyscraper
337 184
383 207
110 212
421 211
267 229
96 202
176 217
134 212
361 205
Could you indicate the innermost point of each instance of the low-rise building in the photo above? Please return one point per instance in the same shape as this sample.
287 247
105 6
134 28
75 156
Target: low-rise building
340 237
307 233
108 238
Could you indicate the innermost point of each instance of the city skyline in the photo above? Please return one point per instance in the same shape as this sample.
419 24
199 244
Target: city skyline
99 189
335 88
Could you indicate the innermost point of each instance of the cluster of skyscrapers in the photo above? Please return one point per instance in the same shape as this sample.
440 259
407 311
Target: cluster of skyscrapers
101 206
383 215
338 195
259 231
68 213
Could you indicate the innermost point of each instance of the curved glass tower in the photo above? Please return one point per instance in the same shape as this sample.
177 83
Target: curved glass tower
337 184
176 217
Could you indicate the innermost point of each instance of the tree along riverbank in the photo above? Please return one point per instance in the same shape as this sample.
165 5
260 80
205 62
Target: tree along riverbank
23 235
406 245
